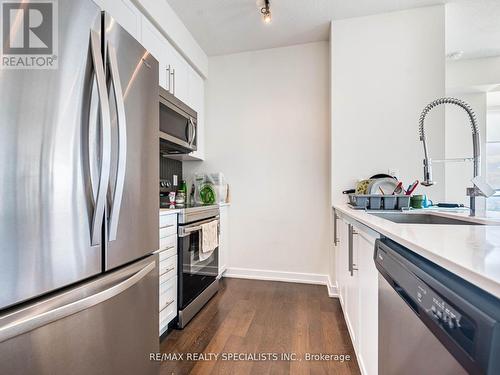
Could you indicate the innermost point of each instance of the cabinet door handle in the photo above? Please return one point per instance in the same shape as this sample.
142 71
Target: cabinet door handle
168 78
167 271
166 305
173 80
336 240
351 265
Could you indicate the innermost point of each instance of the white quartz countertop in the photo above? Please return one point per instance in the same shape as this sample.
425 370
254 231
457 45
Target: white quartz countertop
169 211
470 251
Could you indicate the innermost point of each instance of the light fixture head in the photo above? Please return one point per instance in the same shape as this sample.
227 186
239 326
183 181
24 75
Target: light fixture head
266 12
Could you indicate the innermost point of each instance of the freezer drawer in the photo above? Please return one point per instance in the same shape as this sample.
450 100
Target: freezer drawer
106 326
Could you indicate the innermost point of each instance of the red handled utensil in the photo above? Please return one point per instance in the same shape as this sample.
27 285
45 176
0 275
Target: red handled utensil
398 189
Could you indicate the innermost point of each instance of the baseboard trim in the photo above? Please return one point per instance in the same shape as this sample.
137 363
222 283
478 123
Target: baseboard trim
290 277
333 290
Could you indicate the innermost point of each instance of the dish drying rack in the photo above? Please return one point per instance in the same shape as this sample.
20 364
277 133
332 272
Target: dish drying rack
379 202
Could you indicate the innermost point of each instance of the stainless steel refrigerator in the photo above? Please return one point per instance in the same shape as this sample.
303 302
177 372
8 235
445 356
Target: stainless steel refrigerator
79 204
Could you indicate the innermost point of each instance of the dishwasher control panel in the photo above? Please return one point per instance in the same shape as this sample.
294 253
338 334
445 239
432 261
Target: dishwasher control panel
435 306
424 300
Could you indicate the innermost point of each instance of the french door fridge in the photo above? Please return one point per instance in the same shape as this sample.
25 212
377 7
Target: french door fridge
79 199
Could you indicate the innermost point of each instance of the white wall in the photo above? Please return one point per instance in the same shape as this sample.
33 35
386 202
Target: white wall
469 75
267 130
459 144
385 69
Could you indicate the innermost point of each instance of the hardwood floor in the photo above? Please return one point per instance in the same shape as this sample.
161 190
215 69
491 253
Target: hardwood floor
252 317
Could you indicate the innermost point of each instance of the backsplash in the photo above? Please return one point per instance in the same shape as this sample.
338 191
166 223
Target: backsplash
169 167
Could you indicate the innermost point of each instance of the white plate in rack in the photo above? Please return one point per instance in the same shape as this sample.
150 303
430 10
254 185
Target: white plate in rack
387 184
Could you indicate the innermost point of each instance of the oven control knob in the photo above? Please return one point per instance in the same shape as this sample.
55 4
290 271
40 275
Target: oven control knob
451 323
439 314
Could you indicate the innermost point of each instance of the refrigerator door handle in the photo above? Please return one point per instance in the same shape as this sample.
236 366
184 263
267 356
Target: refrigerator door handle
122 145
105 135
29 323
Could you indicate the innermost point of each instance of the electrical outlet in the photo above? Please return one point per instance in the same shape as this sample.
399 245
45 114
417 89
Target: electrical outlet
175 180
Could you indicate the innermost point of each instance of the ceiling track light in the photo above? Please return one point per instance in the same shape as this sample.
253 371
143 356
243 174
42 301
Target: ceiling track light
266 12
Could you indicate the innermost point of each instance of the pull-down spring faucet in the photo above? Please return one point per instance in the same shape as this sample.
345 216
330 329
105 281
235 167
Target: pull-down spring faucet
472 192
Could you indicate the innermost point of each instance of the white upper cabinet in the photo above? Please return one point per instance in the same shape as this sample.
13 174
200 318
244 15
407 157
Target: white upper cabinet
158 46
173 68
178 68
175 74
125 13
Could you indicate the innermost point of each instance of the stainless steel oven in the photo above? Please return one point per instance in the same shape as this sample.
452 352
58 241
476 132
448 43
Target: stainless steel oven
197 278
178 124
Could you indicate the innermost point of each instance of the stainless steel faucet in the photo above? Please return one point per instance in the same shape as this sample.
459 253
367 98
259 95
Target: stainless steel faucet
471 192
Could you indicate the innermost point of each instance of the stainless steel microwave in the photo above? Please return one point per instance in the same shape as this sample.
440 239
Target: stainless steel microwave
178 123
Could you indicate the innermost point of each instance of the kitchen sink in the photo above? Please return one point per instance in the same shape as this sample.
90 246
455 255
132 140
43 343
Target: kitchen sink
409 218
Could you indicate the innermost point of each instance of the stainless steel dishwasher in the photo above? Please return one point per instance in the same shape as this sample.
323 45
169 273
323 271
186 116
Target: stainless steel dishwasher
430 320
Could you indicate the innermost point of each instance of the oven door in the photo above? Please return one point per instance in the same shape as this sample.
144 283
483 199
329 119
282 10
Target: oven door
195 273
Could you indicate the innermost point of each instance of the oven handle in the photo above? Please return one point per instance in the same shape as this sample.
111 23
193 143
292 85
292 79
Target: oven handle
186 230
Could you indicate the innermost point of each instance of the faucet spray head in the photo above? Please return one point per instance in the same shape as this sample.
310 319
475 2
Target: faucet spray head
427 173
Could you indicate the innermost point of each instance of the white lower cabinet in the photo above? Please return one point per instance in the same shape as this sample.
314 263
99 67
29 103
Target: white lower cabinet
223 238
368 302
357 284
167 269
352 290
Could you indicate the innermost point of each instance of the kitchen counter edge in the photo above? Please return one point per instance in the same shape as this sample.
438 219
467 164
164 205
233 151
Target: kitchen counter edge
470 266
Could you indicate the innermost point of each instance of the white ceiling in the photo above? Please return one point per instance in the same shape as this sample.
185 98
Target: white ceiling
230 26
473 26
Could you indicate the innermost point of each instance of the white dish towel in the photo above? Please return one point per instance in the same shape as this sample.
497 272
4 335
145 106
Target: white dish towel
209 239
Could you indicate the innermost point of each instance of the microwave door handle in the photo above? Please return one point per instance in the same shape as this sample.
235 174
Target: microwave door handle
193 132
187 133
114 215
105 136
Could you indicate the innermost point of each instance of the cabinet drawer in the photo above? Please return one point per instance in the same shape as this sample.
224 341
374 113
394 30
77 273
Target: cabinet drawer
168 242
169 230
168 220
166 315
169 252
168 293
168 269
168 304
